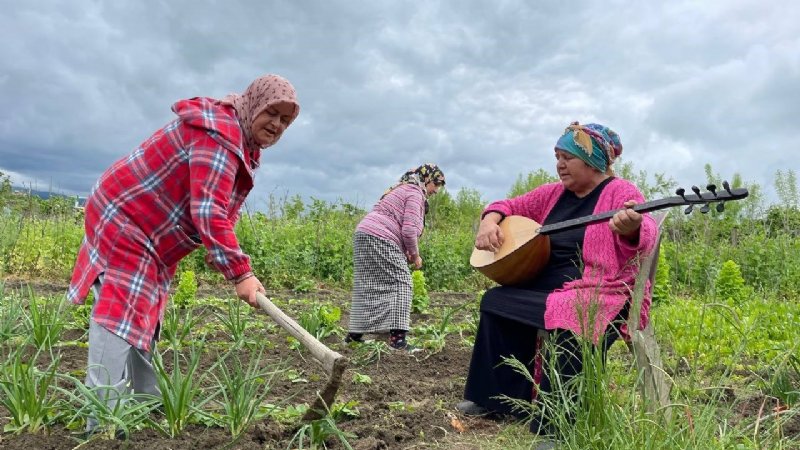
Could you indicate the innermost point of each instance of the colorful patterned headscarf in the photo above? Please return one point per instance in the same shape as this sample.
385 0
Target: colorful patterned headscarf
595 144
260 95
420 177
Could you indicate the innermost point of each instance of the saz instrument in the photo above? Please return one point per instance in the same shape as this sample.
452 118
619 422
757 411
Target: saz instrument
526 246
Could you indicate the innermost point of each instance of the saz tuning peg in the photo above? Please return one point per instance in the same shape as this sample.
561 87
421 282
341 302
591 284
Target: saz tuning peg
727 187
696 190
712 188
680 192
720 206
704 209
688 209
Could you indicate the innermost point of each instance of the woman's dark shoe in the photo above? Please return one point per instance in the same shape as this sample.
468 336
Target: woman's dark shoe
404 346
470 408
354 337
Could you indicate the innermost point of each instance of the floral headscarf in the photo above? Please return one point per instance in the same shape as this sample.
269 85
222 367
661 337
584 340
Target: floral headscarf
260 95
595 144
420 177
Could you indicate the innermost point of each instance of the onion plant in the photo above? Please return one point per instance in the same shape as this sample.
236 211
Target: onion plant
45 321
235 319
369 352
28 393
178 324
315 433
10 312
433 337
130 412
243 390
182 397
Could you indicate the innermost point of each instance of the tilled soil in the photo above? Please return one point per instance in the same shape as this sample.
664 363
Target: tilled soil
409 402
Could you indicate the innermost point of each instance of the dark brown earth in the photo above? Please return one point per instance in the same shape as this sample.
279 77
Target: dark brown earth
409 403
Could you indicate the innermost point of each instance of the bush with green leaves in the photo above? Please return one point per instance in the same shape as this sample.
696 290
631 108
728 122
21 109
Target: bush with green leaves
321 320
663 283
420 300
730 284
298 245
712 334
186 291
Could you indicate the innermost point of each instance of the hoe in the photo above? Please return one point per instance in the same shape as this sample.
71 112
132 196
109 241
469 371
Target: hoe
333 363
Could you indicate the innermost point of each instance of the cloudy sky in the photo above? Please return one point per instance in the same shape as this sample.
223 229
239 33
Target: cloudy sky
484 89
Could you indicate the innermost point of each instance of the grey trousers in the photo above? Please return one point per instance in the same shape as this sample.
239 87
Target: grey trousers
117 365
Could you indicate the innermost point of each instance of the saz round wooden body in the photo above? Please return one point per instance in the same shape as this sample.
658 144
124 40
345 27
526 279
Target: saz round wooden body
521 257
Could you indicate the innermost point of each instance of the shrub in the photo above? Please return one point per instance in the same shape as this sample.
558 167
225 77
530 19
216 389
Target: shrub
186 292
663 284
420 299
729 284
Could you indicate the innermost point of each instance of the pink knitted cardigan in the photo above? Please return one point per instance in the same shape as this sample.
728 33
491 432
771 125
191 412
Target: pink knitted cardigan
610 262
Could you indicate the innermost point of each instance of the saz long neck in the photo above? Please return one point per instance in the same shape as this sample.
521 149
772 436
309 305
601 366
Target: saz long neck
603 217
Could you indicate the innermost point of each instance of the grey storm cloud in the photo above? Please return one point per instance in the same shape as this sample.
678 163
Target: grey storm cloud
482 89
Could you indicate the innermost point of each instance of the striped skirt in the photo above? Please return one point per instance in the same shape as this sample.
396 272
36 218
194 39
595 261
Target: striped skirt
381 286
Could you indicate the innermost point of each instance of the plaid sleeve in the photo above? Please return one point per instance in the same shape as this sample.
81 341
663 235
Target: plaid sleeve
212 176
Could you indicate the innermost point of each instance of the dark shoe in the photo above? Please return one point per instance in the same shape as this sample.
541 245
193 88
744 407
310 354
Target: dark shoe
404 346
470 408
358 338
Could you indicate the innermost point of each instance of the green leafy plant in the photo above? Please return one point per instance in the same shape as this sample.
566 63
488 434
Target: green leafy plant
433 337
369 352
130 412
315 433
420 301
344 411
28 394
186 291
304 284
783 379
730 284
663 283
45 321
178 324
243 389
182 398
235 318
81 314
10 312
288 414
360 378
399 406
322 320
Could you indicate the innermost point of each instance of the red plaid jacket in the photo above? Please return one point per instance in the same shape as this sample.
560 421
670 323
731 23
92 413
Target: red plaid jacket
180 189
